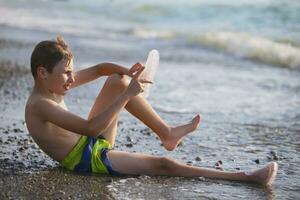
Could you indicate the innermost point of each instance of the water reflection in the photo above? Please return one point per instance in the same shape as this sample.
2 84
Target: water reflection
189 188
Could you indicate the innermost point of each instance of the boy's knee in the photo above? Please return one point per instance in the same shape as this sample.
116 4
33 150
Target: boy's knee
118 81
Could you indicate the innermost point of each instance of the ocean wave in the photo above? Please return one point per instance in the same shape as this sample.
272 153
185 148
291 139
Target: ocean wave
252 47
239 44
150 33
171 110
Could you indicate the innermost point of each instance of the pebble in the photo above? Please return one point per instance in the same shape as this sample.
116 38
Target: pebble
218 163
128 139
133 129
256 161
189 162
17 130
21 149
180 144
13 137
219 168
273 153
198 158
148 133
61 192
274 156
129 145
122 181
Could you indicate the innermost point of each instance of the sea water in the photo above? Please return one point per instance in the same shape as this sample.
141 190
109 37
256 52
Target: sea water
235 62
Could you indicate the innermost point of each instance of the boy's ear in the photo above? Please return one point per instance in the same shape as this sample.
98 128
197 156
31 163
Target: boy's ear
42 72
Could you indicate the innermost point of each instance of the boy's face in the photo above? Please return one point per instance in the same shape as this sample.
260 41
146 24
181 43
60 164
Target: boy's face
61 78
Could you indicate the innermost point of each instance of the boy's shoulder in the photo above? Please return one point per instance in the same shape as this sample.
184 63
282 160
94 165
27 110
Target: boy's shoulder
36 101
38 108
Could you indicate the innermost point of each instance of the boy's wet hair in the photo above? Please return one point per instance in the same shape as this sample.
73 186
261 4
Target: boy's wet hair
48 53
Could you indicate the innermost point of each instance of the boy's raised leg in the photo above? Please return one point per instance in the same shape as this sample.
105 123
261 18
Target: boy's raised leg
141 109
109 93
170 136
142 164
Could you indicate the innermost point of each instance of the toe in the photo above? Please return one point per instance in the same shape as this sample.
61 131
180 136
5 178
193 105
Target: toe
272 173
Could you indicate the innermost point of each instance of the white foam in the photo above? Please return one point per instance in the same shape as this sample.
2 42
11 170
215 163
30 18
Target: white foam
253 47
149 33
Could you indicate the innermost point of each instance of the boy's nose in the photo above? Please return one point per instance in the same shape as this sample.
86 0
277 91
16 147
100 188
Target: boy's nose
71 78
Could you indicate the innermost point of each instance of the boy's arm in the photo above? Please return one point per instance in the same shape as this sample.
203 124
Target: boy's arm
50 111
103 69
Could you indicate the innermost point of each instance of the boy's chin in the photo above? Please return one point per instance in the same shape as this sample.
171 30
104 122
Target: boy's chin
64 92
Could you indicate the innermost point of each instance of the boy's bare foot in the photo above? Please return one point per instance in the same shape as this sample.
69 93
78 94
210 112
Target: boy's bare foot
264 175
177 133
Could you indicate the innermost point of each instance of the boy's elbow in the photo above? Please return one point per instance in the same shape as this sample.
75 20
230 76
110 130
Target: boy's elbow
92 130
91 133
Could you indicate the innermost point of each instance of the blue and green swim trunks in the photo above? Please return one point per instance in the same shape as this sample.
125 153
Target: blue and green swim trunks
90 156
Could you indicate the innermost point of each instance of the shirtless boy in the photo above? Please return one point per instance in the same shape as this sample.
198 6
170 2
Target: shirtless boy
85 145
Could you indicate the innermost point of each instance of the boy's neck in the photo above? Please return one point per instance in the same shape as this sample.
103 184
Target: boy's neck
45 92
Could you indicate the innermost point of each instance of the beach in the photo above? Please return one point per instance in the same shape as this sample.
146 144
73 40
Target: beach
244 84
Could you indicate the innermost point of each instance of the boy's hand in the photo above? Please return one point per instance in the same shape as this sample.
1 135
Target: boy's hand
136 67
136 84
